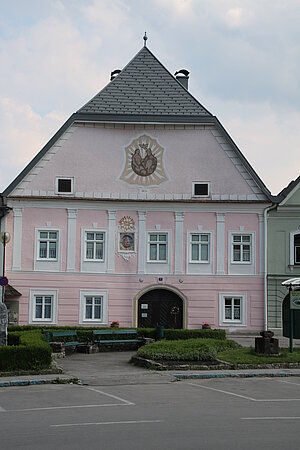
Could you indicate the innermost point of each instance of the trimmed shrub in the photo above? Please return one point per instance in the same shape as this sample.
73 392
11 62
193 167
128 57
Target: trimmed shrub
171 334
85 333
185 350
32 353
176 334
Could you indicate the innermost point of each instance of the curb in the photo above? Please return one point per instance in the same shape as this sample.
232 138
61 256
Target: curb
56 380
235 375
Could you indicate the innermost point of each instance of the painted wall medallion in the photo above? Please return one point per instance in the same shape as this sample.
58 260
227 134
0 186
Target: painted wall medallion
126 242
144 164
126 247
126 224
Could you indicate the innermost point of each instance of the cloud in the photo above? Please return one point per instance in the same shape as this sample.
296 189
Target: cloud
242 54
23 133
269 141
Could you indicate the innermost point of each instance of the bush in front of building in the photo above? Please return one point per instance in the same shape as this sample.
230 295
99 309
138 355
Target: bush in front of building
175 334
185 350
27 351
85 334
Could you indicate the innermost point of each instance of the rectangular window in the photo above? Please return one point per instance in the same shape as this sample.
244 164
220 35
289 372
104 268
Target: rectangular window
93 308
47 245
200 189
94 246
241 248
43 307
199 247
297 248
64 185
232 309
158 245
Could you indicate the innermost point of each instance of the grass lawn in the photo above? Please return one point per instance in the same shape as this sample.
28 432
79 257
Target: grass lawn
211 350
246 355
185 350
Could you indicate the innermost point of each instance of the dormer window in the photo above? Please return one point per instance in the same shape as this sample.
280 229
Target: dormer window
200 189
64 185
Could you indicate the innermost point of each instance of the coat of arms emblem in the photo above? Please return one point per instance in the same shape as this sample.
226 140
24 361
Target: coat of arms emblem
144 163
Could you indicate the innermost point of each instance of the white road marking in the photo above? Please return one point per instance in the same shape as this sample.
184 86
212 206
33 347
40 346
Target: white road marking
270 418
289 382
247 398
105 423
279 400
49 408
2 409
223 392
109 395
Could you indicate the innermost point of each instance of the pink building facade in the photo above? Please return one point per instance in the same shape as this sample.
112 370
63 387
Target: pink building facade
140 210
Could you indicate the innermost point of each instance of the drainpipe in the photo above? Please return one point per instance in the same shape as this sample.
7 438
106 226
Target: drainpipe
266 210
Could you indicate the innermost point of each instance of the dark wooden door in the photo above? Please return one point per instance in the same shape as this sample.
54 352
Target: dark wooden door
160 307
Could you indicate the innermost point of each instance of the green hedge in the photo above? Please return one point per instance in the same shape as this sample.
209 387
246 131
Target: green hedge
86 333
32 353
186 350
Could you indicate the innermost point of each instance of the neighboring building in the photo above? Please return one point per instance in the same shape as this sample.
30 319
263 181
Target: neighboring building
283 249
142 210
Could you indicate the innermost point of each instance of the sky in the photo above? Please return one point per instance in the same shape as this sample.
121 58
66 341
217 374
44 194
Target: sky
243 57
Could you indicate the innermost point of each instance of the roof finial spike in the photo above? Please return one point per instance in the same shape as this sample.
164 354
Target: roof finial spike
145 39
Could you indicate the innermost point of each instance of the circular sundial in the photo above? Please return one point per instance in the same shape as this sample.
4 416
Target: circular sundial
144 163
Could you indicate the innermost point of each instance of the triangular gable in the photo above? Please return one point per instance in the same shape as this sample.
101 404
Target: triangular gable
145 87
145 92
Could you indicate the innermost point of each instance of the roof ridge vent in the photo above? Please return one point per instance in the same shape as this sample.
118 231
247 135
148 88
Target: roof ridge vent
182 76
114 74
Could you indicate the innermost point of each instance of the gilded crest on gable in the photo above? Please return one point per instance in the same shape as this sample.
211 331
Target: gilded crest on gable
144 163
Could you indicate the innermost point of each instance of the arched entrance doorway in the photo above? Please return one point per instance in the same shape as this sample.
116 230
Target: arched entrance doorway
160 307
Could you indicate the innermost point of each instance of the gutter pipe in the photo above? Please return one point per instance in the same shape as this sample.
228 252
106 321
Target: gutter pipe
266 210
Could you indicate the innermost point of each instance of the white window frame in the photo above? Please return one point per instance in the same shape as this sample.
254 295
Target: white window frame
200 243
232 322
232 243
39 239
82 307
94 259
207 183
64 178
157 242
34 293
293 248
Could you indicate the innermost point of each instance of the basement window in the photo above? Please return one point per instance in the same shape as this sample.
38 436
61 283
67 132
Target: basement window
200 189
64 185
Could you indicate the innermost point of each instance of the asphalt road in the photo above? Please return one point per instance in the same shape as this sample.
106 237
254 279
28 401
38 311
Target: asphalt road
253 413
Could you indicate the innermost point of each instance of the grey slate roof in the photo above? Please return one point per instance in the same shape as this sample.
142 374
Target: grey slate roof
145 87
284 193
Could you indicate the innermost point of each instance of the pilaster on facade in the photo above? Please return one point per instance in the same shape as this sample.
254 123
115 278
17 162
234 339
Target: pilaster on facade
17 241
111 240
71 249
220 256
142 239
178 251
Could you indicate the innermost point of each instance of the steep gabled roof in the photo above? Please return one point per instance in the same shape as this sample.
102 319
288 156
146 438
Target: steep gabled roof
288 191
145 87
146 92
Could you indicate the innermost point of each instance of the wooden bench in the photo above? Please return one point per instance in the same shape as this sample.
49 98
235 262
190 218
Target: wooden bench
115 337
65 338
